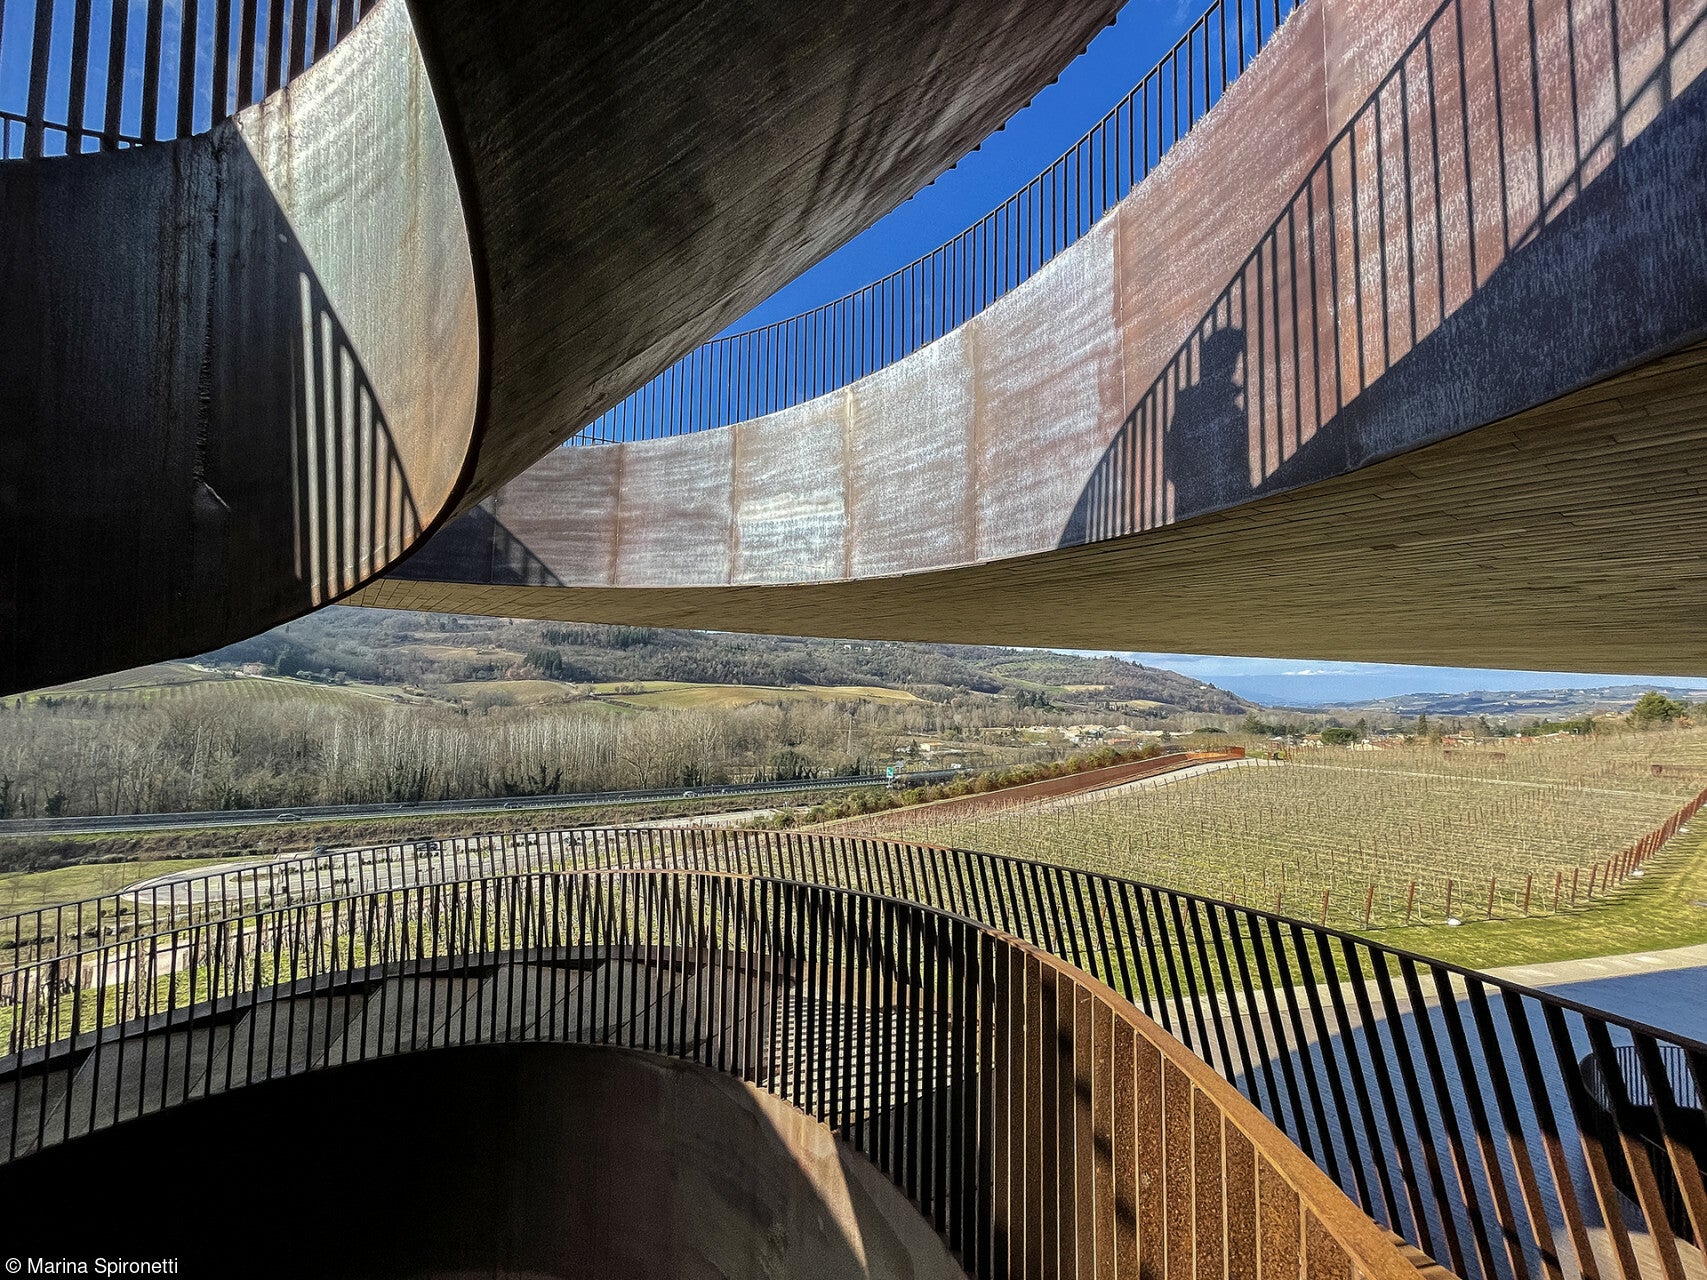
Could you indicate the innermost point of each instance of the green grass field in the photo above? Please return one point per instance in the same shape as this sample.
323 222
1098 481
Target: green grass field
1667 907
22 891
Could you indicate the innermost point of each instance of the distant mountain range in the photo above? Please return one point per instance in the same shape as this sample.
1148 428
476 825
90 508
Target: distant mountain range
428 649
1542 703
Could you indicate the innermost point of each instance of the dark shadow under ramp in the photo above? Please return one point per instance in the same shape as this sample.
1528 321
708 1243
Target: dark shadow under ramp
499 1161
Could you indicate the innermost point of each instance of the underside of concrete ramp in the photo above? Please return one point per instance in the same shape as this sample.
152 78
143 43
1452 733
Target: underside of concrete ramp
642 174
251 368
1396 357
1567 538
523 1161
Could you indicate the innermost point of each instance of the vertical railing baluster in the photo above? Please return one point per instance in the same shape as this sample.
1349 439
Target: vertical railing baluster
1469 1077
1493 1050
36 110
76 104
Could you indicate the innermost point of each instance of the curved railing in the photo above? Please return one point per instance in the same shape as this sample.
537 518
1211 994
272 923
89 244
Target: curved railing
1454 1108
1037 1120
777 366
149 70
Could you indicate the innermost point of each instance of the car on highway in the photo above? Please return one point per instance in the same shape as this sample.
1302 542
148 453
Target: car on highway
288 817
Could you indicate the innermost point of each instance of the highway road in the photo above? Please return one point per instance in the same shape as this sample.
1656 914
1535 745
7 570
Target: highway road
133 822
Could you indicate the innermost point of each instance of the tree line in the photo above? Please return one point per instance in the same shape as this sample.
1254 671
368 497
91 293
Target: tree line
208 749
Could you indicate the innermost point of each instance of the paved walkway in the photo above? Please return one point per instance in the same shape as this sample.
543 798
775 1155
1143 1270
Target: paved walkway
1665 989
1559 972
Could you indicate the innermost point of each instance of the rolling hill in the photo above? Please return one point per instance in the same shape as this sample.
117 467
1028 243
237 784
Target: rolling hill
381 648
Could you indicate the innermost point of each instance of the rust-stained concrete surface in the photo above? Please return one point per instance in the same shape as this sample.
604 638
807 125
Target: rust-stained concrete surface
1403 223
517 1161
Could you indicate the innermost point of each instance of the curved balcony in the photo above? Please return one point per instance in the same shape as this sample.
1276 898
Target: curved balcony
1415 308
1503 1131
1022 1106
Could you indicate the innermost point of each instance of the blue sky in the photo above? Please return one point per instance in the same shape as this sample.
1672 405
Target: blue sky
1115 61
1062 113
1308 682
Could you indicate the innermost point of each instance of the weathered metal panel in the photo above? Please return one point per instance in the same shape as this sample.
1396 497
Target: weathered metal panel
674 511
1362 40
354 150
1197 293
1186 230
909 463
243 367
791 511
1048 391
562 513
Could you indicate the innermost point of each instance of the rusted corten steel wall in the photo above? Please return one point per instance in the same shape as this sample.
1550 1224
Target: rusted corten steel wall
241 369
1403 222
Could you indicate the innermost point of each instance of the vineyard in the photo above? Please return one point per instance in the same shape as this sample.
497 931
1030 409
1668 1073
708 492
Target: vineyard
1365 839
168 684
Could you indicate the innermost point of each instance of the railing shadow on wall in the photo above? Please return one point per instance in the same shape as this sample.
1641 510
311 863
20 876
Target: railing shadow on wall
77 76
355 512
1447 200
478 547
221 416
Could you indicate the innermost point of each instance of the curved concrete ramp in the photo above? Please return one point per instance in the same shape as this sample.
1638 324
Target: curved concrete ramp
643 174
499 1161
1251 411
247 370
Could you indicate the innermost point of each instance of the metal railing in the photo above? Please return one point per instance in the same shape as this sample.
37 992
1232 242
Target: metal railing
777 366
1455 1109
1642 1115
73 79
1027 1111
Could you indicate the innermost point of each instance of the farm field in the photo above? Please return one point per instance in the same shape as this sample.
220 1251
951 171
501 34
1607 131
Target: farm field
524 692
179 684
1370 839
1666 908
22 891
176 683
702 697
